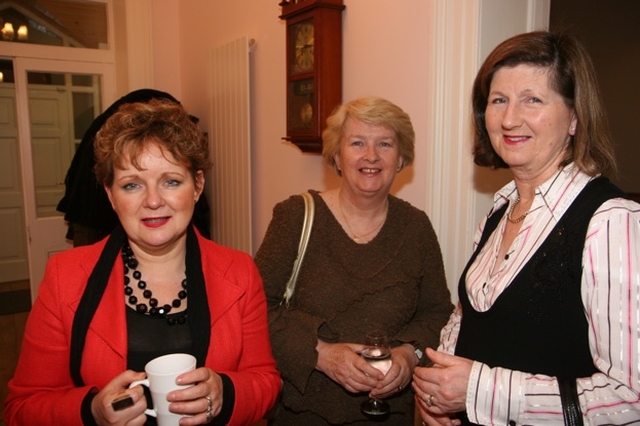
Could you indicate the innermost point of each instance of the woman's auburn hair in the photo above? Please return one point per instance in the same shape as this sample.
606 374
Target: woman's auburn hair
135 125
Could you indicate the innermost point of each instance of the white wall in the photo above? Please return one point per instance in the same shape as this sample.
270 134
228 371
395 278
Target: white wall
389 50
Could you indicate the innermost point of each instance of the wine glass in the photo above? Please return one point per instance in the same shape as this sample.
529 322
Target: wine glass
376 352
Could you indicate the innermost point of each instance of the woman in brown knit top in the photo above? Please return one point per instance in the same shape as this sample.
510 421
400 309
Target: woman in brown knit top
373 262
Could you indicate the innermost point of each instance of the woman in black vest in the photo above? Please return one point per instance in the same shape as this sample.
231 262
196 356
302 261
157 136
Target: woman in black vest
547 328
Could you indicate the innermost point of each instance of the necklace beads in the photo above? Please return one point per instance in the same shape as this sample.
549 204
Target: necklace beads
154 308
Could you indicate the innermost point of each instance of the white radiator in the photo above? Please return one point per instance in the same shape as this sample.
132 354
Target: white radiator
230 185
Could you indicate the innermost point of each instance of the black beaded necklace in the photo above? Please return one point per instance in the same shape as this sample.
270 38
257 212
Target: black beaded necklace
131 263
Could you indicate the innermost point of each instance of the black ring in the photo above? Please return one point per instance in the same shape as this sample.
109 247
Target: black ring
121 402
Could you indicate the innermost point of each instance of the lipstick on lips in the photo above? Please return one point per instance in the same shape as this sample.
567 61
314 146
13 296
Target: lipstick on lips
514 140
155 222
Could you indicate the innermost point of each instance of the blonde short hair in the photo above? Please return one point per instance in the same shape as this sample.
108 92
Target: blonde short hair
370 110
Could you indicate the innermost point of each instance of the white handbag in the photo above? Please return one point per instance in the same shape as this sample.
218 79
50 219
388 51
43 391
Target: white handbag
309 210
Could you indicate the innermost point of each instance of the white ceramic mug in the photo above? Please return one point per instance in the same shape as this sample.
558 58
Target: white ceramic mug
161 379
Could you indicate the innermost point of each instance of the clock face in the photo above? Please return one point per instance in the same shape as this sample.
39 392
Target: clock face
301 101
303 46
313 68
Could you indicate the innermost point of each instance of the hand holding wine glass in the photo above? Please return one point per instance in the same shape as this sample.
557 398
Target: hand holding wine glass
377 353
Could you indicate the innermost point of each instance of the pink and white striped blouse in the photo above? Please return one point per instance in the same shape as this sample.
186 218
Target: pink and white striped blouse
611 299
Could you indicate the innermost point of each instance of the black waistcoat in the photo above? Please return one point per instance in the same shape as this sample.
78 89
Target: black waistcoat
538 325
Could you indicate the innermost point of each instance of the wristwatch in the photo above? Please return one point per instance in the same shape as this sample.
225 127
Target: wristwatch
419 353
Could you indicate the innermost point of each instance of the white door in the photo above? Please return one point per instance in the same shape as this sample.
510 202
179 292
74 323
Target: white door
52 144
13 243
48 93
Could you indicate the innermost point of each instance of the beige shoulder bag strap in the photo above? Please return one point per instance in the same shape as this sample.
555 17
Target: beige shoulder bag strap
309 210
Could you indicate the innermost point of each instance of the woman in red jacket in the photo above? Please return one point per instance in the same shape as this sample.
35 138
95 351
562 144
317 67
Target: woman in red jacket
154 286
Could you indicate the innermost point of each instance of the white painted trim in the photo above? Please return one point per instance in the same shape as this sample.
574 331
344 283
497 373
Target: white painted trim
538 14
139 43
36 51
459 193
452 48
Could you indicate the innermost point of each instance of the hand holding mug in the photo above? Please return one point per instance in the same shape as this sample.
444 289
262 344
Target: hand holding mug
203 401
102 407
162 373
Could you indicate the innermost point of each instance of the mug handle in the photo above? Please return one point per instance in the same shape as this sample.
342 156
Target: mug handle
144 382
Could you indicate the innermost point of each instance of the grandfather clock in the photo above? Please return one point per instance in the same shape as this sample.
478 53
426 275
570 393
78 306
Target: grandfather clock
314 68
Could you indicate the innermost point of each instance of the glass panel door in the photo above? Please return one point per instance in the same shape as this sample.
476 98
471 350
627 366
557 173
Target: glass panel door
60 112
56 101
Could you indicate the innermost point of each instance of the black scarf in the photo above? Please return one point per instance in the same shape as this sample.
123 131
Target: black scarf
199 316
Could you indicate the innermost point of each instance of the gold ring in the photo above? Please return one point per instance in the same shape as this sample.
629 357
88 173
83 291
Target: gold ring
429 401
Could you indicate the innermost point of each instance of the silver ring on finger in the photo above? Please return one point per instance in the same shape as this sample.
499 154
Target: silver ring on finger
209 414
429 401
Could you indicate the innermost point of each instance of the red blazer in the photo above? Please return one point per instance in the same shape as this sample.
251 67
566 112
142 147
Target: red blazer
42 391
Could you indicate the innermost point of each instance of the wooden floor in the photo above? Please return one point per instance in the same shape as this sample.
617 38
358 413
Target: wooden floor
11 331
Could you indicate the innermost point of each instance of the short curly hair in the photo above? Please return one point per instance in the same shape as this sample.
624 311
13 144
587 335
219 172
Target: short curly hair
572 75
162 122
370 110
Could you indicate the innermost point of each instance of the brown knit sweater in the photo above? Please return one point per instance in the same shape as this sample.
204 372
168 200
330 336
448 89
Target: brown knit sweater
395 282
